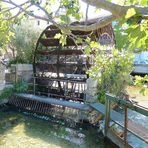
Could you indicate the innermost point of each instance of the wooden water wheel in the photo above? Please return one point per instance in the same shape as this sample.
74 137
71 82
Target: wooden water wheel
60 71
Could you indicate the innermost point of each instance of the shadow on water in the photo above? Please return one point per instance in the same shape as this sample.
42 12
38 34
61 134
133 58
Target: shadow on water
8 120
27 131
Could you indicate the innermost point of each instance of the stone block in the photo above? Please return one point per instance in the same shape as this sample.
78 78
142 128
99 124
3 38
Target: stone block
23 71
10 78
91 90
2 74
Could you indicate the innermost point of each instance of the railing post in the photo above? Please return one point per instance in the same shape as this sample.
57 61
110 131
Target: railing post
107 115
14 71
125 124
34 85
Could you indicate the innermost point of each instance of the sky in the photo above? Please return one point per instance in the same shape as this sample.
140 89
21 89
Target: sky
91 12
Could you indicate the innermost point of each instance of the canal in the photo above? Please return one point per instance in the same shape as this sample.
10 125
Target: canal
22 130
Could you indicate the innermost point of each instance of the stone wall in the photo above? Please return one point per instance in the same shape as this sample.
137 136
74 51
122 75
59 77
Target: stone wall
19 71
2 74
23 71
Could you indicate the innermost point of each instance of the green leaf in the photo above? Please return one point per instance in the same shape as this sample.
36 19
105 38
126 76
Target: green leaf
115 52
144 2
58 36
79 40
87 50
88 40
143 91
146 78
94 44
130 12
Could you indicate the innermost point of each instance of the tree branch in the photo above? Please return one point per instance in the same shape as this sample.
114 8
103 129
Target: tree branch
101 22
117 10
86 14
24 10
14 6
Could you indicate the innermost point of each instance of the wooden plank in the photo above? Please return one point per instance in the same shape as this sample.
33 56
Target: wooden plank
135 128
63 64
54 101
63 79
55 42
53 32
138 130
61 52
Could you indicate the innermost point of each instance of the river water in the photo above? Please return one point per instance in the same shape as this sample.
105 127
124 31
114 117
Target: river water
20 130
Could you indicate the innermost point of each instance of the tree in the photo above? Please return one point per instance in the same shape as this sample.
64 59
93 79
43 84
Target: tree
23 43
5 33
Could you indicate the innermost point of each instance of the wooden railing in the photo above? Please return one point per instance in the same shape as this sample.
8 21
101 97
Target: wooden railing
122 119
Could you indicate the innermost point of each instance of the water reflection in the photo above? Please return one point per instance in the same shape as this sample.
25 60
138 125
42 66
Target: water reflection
20 131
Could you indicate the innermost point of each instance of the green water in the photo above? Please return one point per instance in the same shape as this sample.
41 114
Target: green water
18 130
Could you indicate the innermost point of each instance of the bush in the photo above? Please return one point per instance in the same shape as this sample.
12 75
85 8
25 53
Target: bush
112 71
8 92
17 60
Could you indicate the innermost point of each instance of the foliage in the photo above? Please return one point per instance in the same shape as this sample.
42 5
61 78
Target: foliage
24 41
20 87
142 82
17 60
132 35
112 71
132 30
72 10
62 38
5 31
8 92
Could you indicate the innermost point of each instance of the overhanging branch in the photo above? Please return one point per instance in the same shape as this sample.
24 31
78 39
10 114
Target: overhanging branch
101 22
117 10
25 10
